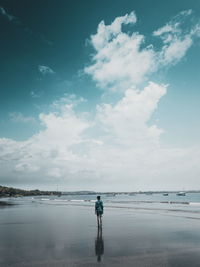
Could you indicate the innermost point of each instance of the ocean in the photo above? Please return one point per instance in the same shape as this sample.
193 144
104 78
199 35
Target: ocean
189 203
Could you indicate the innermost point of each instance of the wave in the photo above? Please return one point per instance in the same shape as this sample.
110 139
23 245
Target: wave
195 203
77 200
150 202
123 202
61 200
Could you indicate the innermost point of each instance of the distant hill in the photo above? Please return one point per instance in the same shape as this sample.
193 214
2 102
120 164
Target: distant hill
79 193
15 192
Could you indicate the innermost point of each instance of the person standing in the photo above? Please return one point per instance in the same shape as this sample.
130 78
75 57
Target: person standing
99 210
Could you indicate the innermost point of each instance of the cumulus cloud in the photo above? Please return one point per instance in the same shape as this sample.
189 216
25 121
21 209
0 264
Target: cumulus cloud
47 153
119 61
45 70
122 60
126 121
117 148
107 33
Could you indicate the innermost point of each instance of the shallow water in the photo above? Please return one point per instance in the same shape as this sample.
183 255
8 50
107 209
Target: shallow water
53 231
190 198
189 203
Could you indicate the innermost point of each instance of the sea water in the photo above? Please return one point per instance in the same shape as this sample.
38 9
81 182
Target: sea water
157 201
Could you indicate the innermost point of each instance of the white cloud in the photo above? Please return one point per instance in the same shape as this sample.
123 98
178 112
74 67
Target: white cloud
127 120
19 117
177 38
119 61
66 128
176 50
35 94
123 60
125 155
117 148
45 70
174 25
46 154
166 29
6 14
106 34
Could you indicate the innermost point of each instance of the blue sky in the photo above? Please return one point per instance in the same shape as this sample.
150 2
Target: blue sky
101 97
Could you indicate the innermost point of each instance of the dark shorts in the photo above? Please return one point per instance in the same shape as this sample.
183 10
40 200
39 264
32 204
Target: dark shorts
99 213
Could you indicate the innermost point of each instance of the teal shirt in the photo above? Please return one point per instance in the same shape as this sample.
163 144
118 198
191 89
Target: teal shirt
99 206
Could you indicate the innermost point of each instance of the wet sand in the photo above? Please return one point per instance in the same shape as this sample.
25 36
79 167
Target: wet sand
53 235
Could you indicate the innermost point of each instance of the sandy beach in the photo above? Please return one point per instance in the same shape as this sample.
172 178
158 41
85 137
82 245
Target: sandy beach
67 235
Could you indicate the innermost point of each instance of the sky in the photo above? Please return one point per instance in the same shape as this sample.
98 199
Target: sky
100 95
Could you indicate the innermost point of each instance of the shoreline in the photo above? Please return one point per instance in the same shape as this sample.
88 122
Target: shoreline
67 235
6 203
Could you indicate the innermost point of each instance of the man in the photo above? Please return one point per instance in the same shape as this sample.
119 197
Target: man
99 210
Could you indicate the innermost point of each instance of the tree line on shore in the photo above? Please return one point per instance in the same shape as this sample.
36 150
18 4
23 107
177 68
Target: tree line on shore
15 192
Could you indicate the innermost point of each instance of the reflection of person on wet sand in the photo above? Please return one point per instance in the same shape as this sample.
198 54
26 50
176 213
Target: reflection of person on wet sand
99 244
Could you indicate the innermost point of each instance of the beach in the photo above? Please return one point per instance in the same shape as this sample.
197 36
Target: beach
39 233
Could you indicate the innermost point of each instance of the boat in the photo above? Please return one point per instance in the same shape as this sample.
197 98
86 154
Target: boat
165 194
181 194
131 194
